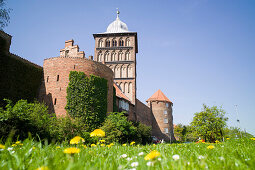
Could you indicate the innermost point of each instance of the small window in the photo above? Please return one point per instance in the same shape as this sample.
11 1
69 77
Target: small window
166 130
73 66
165 112
57 77
107 43
121 43
165 120
167 104
114 43
66 53
60 89
55 101
47 79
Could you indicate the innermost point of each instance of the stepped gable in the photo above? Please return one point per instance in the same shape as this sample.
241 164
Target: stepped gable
120 94
158 96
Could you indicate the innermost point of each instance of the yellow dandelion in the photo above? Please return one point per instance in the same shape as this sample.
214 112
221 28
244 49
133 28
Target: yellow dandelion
252 138
97 132
108 146
2 146
102 141
18 142
93 145
124 144
154 144
102 144
72 150
13 145
152 155
76 140
58 147
111 144
210 147
217 141
84 146
228 138
34 148
132 143
43 168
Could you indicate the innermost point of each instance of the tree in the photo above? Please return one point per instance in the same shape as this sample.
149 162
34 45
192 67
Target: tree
184 133
209 124
4 15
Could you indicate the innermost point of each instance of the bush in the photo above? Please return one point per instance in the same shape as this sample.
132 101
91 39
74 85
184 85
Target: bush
119 129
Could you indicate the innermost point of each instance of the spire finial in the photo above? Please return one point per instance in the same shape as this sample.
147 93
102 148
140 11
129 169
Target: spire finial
118 12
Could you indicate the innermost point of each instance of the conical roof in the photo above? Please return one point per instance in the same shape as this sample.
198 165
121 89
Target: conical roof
159 96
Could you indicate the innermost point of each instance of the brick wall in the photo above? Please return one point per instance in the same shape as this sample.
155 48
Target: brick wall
56 78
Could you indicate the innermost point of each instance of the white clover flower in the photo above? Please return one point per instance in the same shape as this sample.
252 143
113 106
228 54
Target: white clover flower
1 149
133 169
236 163
135 157
188 163
221 158
129 159
201 157
9 148
176 157
123 156
12 152
149 163
159 159
134 164
141 153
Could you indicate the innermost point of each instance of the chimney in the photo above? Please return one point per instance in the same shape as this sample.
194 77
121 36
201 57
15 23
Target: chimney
68 43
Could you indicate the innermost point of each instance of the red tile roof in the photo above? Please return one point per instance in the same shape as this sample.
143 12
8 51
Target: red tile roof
158 96
119 93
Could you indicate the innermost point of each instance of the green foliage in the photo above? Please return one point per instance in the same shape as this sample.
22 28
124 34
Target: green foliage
119 129
209 124
19 80
184 133
234 132
115 108
87 99
4 15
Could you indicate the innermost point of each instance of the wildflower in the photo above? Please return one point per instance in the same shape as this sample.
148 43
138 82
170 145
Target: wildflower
102 141
34 148
57 147
43 168
154 144
201 157
132 143
13 145
134 164
252 138
111 144
152 155
159 159
93 145
217 141
228 138
76 140
188 163
129 159
97 132
123 156
102 144
141 153
2 146
210 147
71 150
9 148
84 146
221 158
176 157
124 144
150 163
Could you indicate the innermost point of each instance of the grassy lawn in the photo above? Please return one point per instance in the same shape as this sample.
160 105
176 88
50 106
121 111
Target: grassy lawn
232 154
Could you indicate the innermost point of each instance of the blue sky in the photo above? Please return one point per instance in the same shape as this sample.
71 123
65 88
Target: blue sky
195 51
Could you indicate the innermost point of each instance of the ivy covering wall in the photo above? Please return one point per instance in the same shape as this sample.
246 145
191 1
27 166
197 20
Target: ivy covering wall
18 79
87 99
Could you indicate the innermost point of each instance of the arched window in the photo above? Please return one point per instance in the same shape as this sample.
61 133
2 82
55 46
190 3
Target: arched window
107 56
127 56
126 88
130 71
120 56
47 79
127 42
124 72
66 53
55 101
100 57
121 42
100 43
114 43
107 43
113 56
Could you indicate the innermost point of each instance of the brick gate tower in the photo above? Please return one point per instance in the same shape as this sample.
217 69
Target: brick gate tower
117 48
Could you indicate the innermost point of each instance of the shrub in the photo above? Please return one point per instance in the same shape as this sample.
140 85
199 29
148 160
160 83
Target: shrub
119 129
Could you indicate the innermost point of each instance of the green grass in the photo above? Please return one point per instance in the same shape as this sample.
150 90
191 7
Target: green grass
232 154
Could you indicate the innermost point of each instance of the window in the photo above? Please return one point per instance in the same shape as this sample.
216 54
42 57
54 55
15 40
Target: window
166 130
73 66
127 56
66 53
121 43
127 42
55 101
107 43
100 43
167 104
47 79
57 77
165 120
114 43
165 112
